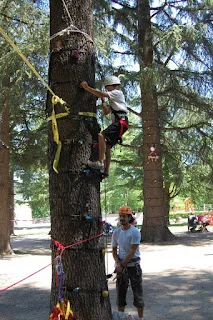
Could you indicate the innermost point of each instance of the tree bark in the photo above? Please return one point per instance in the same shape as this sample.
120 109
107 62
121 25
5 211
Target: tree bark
154 218
74 193
5 247
11 204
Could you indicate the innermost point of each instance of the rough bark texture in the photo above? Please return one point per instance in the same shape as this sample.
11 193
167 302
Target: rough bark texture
75 194
155 217
5 247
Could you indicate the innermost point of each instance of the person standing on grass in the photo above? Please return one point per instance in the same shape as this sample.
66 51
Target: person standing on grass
126 253
112 134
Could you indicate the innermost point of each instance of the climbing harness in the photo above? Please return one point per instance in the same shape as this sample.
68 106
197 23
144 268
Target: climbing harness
124 126
121 117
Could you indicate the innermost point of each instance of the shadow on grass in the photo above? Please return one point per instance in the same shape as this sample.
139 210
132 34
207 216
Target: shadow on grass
174 295
25 303
179 295
187 239
22 246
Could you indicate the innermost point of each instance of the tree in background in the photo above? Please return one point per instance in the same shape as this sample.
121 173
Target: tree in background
183 82
182 79
154 220
19 106
75 193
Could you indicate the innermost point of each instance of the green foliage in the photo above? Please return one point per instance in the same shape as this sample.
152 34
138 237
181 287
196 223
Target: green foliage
182 74
27 25
33 186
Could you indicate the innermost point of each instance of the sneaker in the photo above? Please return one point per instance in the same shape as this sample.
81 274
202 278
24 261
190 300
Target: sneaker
95 165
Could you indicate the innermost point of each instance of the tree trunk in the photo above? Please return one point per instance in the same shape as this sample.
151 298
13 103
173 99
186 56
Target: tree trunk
75 193
166 201
11 204
5 247
154 218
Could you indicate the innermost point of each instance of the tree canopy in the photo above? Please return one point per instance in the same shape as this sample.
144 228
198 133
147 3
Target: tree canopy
182 71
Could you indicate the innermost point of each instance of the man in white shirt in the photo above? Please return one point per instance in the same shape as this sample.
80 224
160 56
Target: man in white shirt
126 253
112 134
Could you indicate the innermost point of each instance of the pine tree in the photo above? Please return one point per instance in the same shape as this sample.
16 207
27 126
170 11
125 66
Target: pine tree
175 68
74 193
17 102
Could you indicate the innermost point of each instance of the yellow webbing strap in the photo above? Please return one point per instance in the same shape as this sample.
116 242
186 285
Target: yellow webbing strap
87 114
53 117
59 115
57 157
25 60
55 99
64 307
68 311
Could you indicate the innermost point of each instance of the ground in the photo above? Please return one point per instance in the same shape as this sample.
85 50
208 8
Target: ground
177 277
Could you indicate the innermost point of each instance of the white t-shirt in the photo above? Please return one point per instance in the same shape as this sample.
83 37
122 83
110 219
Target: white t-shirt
117 102
124 239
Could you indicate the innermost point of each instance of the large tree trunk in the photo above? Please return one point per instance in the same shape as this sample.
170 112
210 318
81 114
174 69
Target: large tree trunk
154 218
5 247
75 194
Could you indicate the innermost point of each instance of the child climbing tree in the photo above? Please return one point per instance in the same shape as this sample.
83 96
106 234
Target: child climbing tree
79 275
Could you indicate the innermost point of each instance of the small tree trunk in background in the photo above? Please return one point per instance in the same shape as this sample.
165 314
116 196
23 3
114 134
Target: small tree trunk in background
75 194
167 201
11 204
5 247
154 218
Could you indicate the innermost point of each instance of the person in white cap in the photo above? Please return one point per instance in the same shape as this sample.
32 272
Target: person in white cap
113 133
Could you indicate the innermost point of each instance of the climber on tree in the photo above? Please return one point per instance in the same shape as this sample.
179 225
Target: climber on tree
112 134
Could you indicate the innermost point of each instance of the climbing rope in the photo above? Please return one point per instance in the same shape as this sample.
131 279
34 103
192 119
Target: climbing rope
62 248
72 27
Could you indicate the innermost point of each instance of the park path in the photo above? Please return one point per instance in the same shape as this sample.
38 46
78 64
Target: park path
178 278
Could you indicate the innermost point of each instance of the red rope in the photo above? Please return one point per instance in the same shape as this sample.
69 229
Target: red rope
12 285
59 245
82 241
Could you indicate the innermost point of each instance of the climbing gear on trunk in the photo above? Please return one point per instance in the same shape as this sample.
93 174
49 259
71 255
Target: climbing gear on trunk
62 311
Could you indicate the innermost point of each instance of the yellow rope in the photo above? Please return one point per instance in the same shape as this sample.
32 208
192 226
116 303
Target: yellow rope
87 114
55 100
25 60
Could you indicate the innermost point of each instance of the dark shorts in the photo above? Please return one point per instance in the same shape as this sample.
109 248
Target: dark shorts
112 133
134 274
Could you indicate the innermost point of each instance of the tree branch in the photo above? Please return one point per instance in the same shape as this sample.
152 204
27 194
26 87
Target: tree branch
135 112
12 18
196 125
123 5
131 146
128 163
